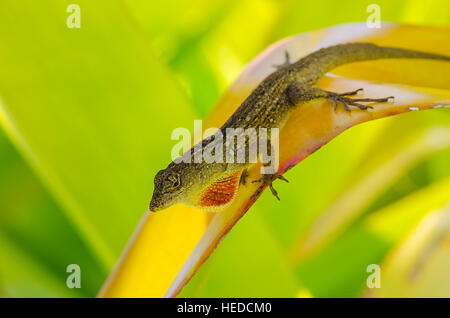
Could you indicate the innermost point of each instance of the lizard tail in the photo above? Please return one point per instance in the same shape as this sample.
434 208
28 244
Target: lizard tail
331 57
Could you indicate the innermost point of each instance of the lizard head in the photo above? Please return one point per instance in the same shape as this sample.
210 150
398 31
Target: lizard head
167 189
203 187
172 186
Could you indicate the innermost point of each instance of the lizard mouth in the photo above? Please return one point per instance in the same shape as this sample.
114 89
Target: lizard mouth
155 205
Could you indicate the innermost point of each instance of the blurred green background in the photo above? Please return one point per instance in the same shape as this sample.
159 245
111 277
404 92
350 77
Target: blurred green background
79 110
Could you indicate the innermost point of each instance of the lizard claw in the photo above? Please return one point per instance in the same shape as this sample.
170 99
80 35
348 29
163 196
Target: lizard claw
266 180
244 176
346 102
352 93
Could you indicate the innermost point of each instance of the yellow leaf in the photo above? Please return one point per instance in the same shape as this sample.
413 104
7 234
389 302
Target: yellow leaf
171 245
161 244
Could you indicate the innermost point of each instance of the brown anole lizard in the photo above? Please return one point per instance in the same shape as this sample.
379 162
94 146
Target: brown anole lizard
214 185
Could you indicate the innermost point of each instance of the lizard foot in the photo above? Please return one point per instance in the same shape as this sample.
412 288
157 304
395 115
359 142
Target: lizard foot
345 101
286 61
267 179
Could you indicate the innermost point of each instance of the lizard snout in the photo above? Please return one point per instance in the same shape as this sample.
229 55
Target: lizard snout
155 205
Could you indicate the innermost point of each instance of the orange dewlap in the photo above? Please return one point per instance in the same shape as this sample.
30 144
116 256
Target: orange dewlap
221 192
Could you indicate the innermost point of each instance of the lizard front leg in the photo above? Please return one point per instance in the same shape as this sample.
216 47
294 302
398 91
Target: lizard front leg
295 94
266 180
286 62
244 176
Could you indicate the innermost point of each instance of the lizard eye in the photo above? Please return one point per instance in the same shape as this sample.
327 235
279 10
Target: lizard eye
176 183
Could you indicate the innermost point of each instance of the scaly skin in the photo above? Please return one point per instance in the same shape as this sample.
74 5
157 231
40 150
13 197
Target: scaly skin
268 106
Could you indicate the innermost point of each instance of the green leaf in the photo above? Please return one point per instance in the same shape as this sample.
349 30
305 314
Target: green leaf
38 227
340 269
23 276
417 267
371 181
92 110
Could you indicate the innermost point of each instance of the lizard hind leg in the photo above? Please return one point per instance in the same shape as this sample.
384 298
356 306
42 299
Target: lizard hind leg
266 180
295 94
